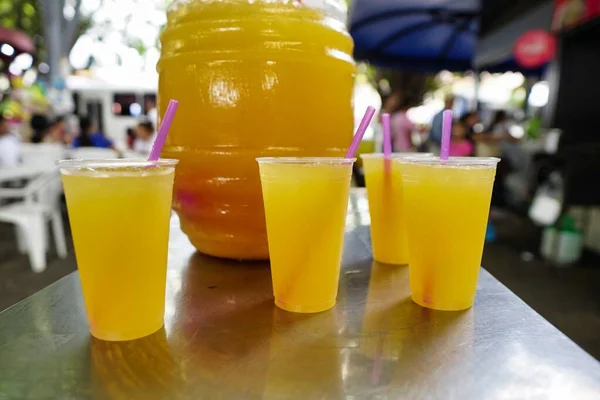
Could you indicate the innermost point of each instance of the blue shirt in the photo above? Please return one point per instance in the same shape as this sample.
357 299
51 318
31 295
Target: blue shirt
435 134
97 140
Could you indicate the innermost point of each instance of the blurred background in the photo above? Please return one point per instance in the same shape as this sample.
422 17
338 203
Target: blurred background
78 78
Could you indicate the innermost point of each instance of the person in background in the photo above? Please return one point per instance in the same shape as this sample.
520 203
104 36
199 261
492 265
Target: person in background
10 145
151 112
435 133
39 125
468 122
90 137
55 133
459 145
402 127
144 138
499 126
130 138
390 103
60 131
489 144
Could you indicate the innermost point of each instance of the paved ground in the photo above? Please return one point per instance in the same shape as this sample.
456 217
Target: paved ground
17 281
568 297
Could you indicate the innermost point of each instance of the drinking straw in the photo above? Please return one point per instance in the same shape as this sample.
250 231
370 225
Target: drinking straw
360 132
387 137
165 125
387 141
446 133
444 152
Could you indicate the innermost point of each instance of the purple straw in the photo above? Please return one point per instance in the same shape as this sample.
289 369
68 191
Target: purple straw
165 125
360 132
446 133
387 137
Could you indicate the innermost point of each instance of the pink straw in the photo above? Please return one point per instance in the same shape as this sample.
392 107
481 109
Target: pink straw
446 133
165 125
360 132
387 137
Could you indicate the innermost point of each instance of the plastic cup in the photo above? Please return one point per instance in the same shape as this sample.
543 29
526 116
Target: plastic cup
119 212
305 203
447 205
389 237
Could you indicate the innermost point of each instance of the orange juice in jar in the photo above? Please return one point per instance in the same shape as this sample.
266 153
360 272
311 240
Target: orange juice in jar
253 78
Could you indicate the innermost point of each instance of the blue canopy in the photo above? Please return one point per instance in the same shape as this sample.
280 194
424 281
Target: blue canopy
421 35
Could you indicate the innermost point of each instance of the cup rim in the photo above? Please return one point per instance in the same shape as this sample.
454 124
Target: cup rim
414 154
305 160
115 163
452 161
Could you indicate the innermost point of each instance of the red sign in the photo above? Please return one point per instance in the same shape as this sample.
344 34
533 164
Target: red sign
568 13
534 48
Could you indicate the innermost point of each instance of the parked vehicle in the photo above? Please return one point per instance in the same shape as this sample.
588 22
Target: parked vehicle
113 107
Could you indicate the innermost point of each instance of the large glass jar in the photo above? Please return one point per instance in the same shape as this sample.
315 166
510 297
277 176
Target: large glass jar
253 78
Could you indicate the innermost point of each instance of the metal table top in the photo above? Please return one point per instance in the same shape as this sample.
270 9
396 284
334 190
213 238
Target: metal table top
224 339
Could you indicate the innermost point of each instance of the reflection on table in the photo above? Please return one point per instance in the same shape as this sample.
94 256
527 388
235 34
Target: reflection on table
224 339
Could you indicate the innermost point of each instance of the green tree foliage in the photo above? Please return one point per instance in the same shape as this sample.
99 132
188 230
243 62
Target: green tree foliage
26 16
22 15
411 86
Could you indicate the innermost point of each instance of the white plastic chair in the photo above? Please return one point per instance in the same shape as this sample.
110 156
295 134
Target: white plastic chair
92 153
130 154
42 154
39 205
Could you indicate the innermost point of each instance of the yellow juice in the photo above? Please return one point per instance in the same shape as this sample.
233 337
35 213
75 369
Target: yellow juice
389 237
447 208
240 69
305 205
120 223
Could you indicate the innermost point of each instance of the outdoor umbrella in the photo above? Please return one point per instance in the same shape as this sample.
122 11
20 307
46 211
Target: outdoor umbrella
420 35
19 41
